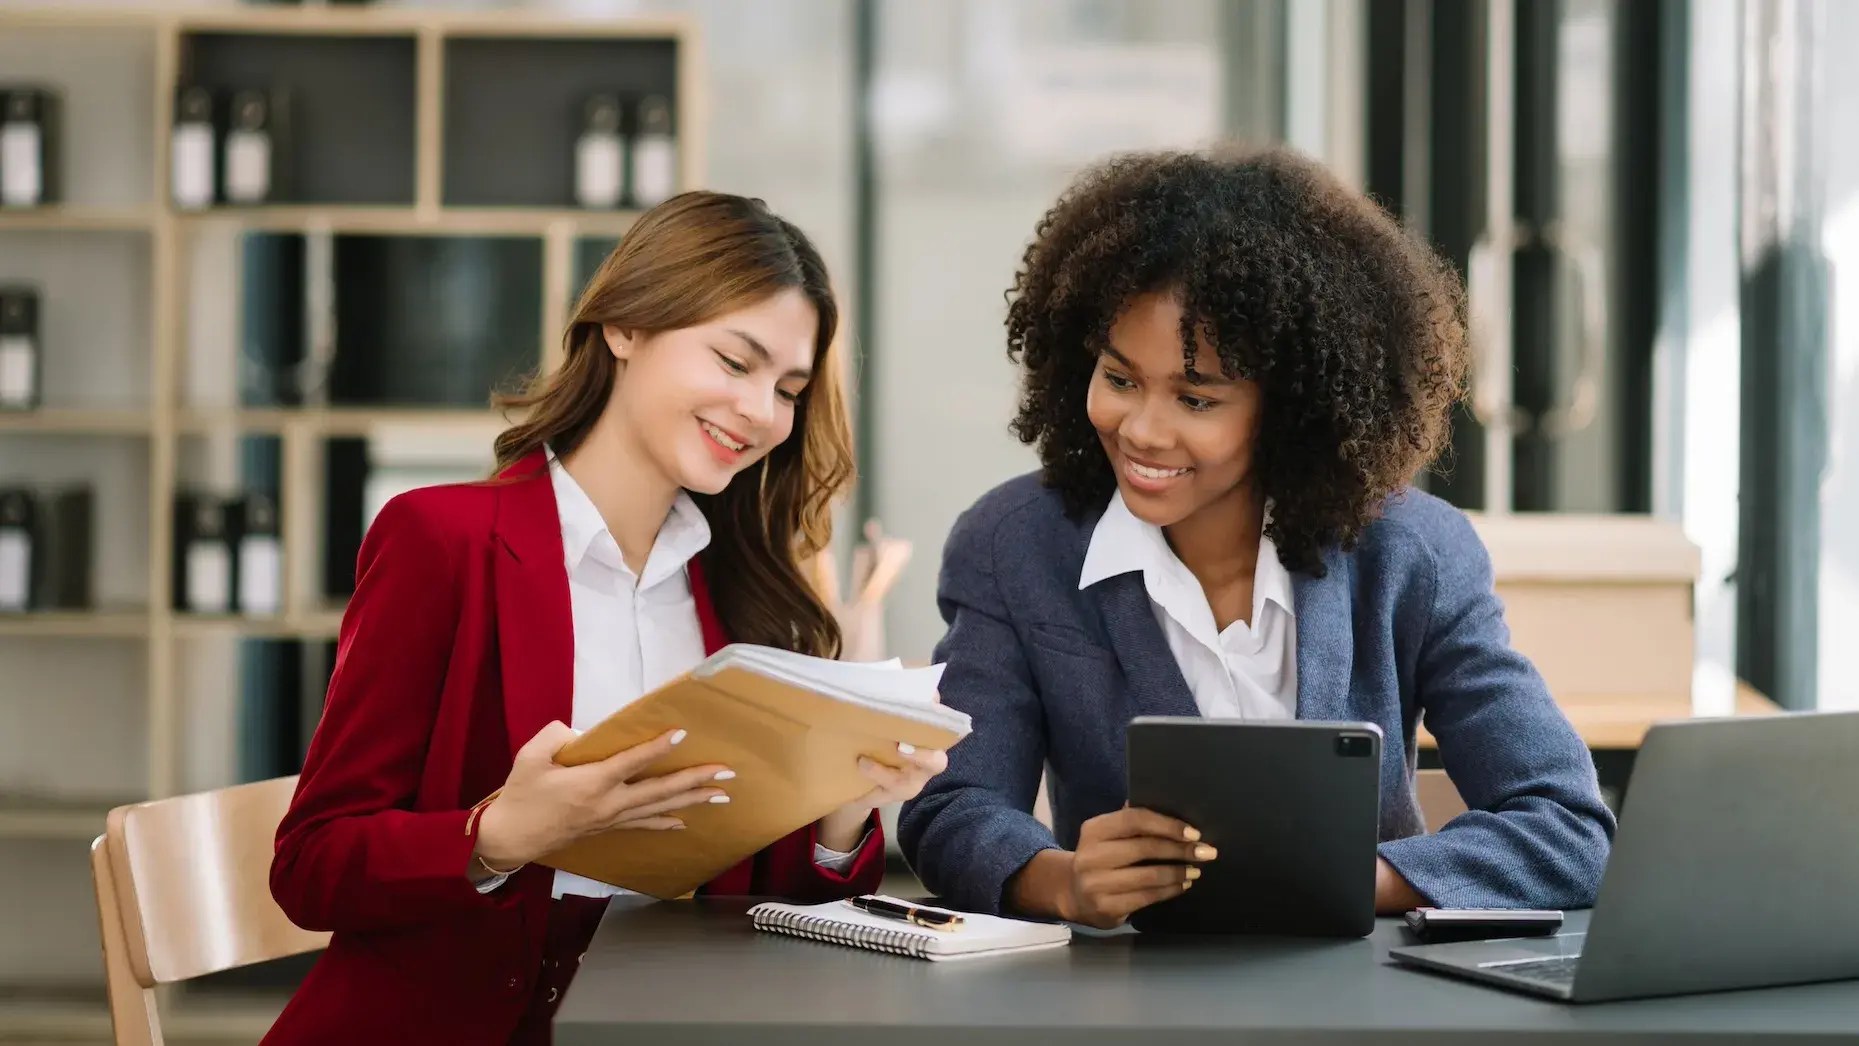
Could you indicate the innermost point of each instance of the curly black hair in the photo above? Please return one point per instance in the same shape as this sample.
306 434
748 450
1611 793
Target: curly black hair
1353 328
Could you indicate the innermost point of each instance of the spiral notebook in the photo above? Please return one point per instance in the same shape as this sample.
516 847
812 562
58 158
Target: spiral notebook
837 922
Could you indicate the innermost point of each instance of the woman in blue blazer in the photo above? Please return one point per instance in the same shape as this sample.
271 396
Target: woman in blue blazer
1233 367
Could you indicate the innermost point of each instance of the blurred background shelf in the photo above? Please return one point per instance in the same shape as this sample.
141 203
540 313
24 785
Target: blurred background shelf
411 221
107 624
78 421
245 384
335 421
316 624
45 817
80 217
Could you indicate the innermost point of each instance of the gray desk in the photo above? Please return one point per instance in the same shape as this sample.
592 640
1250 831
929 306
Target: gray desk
686 973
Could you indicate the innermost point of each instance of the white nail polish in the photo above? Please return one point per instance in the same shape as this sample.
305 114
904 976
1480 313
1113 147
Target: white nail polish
906 748
677 737
725 775
719 798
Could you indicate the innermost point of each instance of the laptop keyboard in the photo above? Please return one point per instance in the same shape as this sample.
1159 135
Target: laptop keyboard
1558 970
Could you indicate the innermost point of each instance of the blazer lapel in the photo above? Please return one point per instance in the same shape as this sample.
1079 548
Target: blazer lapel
1157 686
1325 640
535 623
712 626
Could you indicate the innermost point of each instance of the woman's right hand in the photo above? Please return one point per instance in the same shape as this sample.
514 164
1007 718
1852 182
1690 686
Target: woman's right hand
543 806
1109 877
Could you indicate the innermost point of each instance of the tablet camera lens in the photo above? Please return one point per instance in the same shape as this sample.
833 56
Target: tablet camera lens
1353 746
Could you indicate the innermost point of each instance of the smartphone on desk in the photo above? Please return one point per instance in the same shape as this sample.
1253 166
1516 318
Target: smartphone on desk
1440 925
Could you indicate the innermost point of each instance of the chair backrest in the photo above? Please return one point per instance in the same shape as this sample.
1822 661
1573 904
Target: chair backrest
133 1011
186 884
1439 798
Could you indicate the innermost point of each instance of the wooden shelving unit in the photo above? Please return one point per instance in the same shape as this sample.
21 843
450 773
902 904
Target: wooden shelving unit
80 218
79 421
105 624
422 179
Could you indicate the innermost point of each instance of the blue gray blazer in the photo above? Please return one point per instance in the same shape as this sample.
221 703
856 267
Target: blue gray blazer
1405 626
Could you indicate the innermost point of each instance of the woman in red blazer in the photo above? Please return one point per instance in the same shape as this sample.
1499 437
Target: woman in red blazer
655 502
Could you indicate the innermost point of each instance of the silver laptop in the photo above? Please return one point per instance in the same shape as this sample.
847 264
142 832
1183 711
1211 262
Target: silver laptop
1736 865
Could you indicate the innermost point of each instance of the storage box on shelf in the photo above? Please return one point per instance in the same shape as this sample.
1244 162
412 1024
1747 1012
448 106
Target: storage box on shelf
385 149
1602 605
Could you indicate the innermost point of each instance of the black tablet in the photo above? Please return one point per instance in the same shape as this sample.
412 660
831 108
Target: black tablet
1292 807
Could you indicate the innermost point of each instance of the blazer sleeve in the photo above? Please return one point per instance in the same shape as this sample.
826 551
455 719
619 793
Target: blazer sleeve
1537 833
972 829
351 853
787 868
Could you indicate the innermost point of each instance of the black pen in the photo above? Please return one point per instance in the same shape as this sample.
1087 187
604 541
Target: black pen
929 918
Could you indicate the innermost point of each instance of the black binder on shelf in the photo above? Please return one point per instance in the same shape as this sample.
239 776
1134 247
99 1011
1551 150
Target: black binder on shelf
64 551
653 153
257 554
18 535
600 154
257 161
193 149
20 368
202 555
30 146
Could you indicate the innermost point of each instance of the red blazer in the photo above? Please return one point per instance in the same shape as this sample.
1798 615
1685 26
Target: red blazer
455 649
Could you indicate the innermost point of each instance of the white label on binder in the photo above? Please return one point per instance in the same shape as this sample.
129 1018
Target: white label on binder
192 166
599 170
17 365
21 180
260 574
209 577
248 166
655 169
15 569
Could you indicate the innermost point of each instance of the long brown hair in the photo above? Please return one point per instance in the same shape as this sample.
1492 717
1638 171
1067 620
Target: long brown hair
691 259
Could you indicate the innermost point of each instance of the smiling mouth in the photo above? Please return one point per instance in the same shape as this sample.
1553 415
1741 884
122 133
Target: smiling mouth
722 438
1151 472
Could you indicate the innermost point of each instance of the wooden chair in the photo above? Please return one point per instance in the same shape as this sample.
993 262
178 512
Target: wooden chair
183 890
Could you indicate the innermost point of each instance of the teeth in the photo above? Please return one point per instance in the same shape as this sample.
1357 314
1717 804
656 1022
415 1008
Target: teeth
1146 472
718 435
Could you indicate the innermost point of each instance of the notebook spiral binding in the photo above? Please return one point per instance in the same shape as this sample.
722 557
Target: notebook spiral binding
901 941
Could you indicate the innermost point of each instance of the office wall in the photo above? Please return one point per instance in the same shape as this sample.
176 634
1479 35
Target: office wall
1711 345
985 109
1839 538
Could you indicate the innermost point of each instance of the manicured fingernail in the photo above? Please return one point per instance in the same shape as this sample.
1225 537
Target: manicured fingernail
678 827
907 749
1187 883
719 798
677 736
1190 834
1193 873
725 775
1204 852
866 762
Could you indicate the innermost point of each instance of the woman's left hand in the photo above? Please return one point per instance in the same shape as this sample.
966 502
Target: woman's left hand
843 828
898 784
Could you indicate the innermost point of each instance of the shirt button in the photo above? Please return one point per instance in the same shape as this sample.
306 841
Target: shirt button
515 984
554 994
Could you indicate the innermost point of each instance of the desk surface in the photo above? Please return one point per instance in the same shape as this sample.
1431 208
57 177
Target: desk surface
697 972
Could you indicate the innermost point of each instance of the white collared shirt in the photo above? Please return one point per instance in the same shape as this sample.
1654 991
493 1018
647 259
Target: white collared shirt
632 632
1244 671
